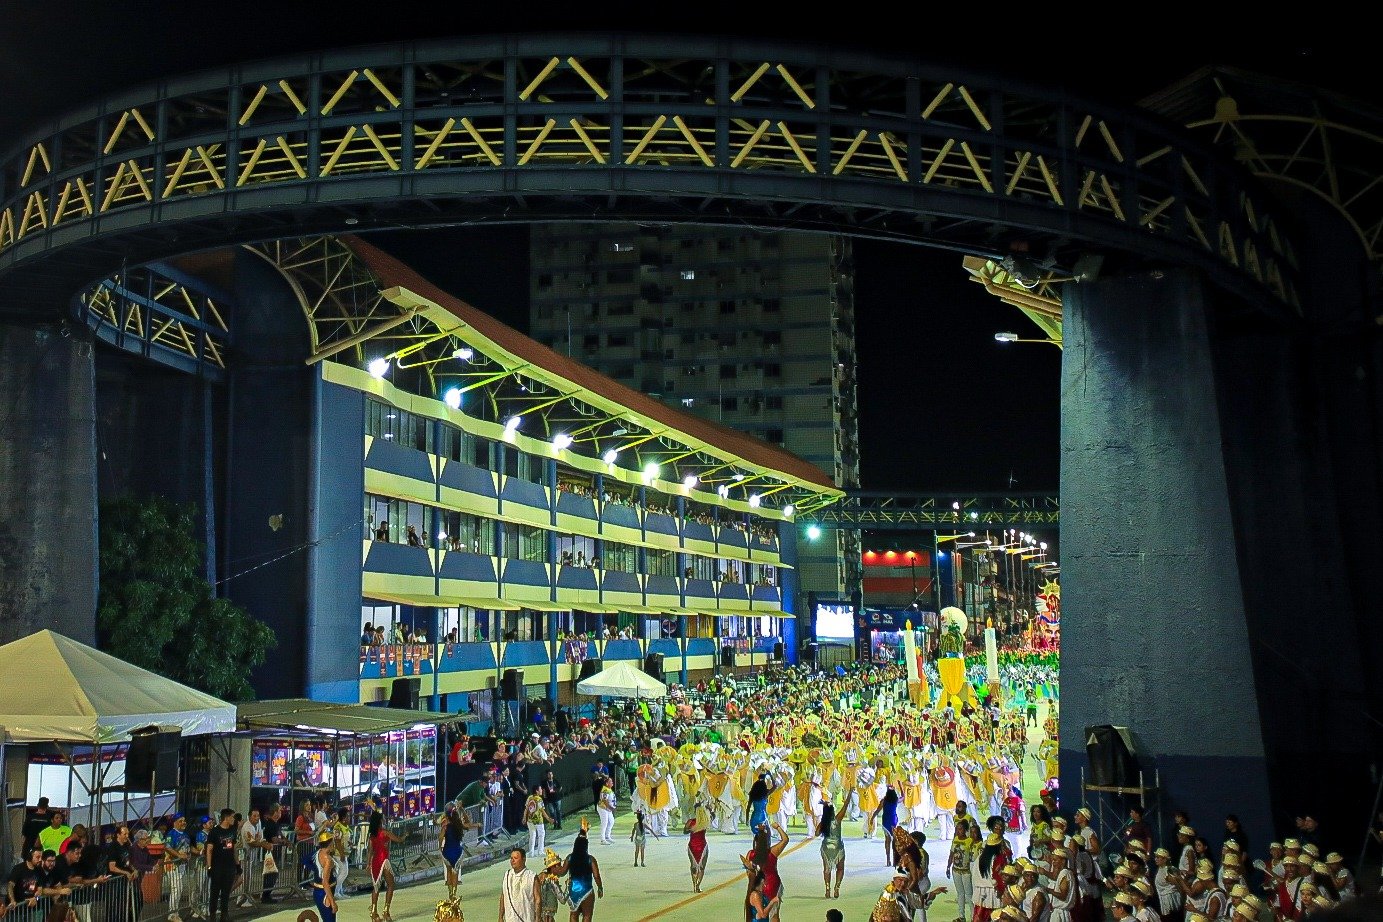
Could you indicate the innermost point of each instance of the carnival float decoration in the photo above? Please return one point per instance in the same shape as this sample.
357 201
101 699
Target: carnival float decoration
950 657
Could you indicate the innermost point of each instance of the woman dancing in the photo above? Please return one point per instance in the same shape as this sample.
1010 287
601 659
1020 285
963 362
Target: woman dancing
583 877
697 849
639 836
832 845
758 907
323 884
454 826
380 870
889 808
758 802
765 857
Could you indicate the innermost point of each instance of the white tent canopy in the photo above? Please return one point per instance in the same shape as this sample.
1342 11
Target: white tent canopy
59 690
623 679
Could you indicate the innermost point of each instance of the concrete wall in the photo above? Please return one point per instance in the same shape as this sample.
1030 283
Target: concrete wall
337 493
267 469
48 574
1300 419
1154 632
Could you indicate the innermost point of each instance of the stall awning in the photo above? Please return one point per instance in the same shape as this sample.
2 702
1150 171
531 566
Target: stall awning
454 601
323 717
487 603
678 610
596 609
757 613
414 599
640 610
545 606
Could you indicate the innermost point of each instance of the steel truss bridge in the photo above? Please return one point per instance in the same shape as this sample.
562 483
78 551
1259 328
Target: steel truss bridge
958 512
659 129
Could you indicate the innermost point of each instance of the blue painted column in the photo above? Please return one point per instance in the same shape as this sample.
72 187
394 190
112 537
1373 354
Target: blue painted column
1153 628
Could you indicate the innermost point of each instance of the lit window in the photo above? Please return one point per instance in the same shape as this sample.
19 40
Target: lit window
688 275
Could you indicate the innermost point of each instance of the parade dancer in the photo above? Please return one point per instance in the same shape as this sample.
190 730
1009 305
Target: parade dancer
550 894
697 849
381 872
606 809
323 884
832 846
584 885
454 826
639 836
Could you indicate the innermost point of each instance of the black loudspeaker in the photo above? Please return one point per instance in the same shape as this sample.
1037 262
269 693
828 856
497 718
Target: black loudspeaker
590 667
653 665
778 651
511 685
727 656
153 758
1112 757
483 748
403 694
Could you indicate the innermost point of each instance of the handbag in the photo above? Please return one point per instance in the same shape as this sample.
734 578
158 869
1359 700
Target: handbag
270 865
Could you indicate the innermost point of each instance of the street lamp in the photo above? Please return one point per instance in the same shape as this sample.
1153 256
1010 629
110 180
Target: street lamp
1014 338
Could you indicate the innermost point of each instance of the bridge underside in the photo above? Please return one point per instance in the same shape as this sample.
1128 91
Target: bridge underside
43 289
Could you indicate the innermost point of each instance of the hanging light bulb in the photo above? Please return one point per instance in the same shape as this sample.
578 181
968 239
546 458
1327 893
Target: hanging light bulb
610 456
378 368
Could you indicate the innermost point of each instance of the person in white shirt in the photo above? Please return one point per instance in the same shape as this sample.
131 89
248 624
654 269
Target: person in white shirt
1342 877
518 893
1064 896
606 808
252 854
1142 893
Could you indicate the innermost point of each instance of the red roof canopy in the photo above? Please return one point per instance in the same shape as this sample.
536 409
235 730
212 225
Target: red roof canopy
391 273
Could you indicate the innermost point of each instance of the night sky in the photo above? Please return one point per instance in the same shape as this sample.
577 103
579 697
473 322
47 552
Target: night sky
942 405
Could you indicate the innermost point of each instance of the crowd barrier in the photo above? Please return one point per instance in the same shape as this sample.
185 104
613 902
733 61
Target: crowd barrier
174 891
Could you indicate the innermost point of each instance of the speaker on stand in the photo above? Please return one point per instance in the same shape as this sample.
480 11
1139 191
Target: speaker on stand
653 665
590 667
1112 757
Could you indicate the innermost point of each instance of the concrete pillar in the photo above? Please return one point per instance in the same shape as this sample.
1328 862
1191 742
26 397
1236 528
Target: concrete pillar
48 537
1154 634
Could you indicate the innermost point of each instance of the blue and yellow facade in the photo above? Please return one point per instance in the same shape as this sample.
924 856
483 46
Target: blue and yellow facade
684 567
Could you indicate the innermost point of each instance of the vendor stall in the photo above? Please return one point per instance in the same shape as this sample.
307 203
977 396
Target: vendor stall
344 754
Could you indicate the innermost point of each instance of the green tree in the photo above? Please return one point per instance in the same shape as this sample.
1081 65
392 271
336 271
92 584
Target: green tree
157 611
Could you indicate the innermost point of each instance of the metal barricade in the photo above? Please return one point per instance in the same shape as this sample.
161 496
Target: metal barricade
418 850
273 874
492 825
